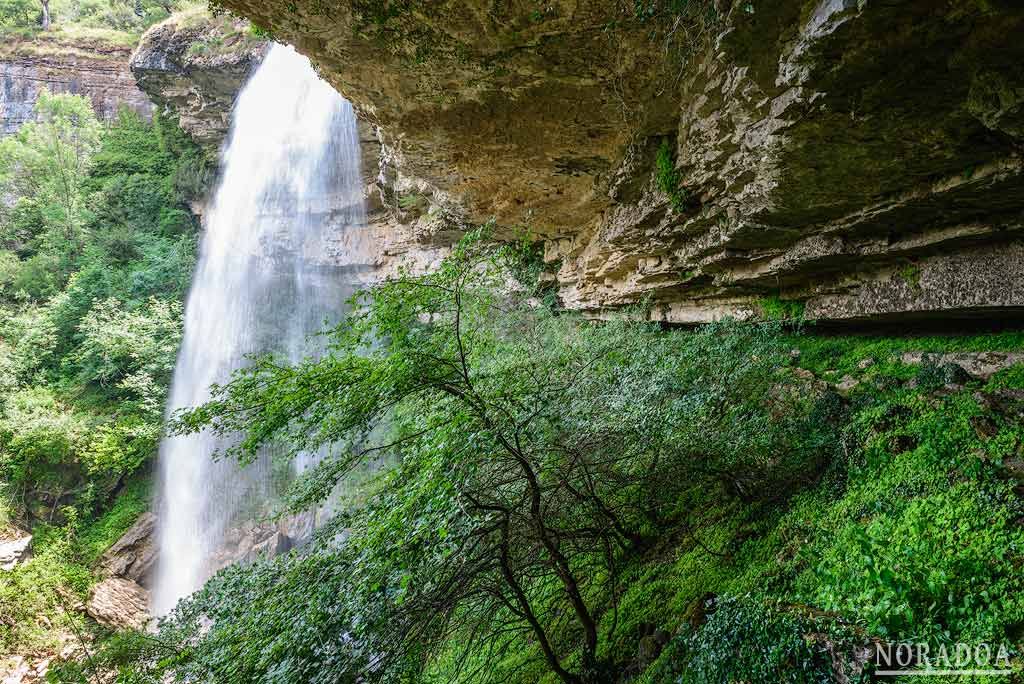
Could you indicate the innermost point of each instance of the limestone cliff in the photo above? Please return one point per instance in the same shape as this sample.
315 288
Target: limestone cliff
193 66
858 156
86 67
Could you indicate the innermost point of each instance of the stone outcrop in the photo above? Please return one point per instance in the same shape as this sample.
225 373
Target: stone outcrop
982 365
133 556
121 599
15 548
88 67
119 603
193 66
860 157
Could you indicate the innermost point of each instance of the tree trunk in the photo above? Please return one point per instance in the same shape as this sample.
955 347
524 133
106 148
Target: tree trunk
46 14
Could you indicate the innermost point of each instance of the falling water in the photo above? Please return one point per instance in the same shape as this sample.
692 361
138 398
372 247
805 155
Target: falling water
289 205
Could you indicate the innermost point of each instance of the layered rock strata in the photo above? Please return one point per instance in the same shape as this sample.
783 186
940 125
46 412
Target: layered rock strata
860 157
192 66
92 68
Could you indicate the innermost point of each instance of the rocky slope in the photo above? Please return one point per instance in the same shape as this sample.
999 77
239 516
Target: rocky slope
86 67
859 157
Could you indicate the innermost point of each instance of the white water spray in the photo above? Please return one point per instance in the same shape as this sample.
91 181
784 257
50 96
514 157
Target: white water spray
289 204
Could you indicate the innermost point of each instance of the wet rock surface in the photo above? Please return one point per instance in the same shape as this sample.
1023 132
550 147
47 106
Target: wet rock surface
133 556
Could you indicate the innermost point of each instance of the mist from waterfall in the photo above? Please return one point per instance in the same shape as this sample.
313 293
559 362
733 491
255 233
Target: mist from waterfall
288 207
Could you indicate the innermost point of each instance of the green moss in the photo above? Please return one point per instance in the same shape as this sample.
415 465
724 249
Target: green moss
843 353
100 534
912 534
775 308
911 275
1008 378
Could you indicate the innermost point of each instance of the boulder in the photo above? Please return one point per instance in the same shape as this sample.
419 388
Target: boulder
15 549
133 556
119 603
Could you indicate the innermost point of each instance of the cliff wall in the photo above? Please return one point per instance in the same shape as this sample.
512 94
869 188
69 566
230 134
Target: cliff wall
88 67
860 158
192 66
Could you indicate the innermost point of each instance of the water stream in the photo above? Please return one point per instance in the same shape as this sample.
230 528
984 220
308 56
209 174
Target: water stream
289 207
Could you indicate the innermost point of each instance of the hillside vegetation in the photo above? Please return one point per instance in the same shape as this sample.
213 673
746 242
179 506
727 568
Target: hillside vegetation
97 246
118 22
580 502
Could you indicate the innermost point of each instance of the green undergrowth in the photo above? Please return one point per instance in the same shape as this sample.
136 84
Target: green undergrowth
842 353
97 246
86 23
40 599
913 534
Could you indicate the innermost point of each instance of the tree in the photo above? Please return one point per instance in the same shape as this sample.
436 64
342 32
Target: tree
18 13
46 14
534 454
47 161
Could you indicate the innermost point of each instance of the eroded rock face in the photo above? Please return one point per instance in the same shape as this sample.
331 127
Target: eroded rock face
91 68
193 66
859 156
119 603
407 222
133 555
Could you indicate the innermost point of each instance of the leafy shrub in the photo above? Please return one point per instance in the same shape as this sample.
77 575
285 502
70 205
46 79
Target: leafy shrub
116 342
667 177
935 562
39 439
747 641
776 309
33 340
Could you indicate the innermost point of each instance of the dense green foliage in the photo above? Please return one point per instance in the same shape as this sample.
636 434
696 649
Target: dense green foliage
96 251
110 17
574 502
536 455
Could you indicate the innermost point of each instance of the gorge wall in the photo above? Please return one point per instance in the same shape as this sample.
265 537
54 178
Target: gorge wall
86 67
861 159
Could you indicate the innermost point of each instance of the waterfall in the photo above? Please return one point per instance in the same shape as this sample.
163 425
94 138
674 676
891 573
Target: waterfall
289 207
